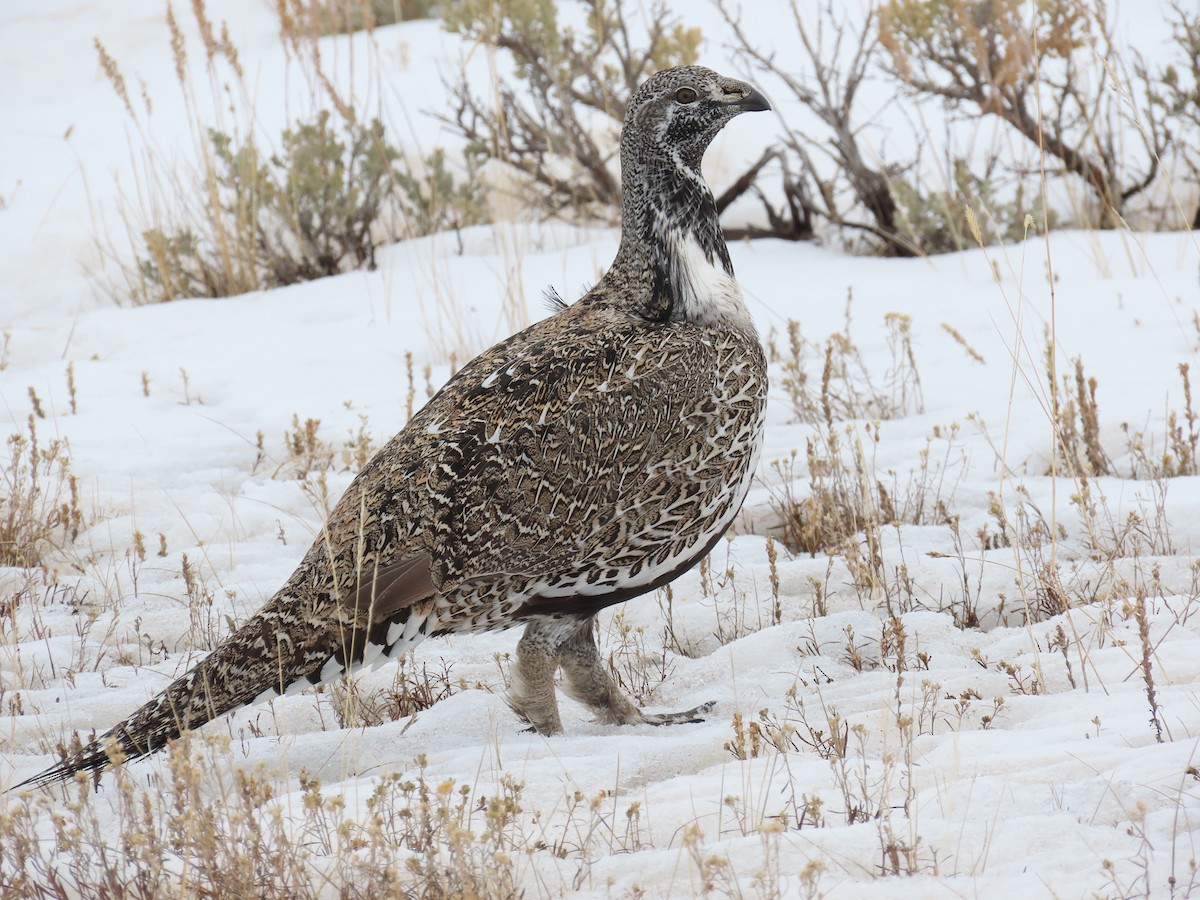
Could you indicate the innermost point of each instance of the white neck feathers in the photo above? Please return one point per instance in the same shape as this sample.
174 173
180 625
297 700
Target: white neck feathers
704 292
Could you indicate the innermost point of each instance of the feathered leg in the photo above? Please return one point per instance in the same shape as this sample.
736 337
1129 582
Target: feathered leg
531 688
547 645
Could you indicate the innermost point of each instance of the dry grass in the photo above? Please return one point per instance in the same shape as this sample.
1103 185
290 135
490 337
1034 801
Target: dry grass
416 837
840 492
40 507
832 380
1077 429
637 665
1174 454
412 690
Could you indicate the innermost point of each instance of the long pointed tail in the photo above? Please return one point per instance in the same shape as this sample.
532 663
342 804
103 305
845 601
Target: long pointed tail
269 653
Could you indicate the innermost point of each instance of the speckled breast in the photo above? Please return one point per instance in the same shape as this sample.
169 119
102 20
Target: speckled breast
627 480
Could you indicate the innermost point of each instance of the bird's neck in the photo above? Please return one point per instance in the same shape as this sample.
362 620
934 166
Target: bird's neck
673 254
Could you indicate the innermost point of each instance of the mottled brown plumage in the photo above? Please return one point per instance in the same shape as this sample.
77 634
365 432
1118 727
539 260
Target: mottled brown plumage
586 460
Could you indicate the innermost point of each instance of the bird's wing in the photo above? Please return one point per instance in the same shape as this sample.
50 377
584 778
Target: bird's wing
388 588
554 451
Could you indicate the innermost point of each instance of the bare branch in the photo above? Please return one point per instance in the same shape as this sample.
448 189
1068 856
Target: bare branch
559 127
985 55
831 97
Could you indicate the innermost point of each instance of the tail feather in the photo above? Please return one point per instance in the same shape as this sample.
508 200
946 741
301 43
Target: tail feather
273 651
260 657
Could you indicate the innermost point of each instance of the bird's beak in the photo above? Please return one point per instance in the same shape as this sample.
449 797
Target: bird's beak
752 102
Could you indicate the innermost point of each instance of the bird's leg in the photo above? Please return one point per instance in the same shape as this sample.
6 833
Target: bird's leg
586 678
531 688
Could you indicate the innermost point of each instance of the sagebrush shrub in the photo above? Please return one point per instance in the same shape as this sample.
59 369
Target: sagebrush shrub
325 17
937 221
433 200
306 212
1052 72
250 212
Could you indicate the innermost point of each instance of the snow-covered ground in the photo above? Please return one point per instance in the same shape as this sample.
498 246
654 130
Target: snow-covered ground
900 747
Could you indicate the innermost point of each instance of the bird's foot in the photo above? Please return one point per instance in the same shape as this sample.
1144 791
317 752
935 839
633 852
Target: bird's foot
547 725
687 717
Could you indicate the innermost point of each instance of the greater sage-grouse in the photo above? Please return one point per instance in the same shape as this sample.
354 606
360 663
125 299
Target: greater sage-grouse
589 459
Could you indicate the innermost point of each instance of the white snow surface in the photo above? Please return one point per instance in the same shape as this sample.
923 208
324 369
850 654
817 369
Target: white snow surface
1063 789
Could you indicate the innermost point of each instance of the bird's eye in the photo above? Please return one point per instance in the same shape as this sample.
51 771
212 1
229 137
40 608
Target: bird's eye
686 95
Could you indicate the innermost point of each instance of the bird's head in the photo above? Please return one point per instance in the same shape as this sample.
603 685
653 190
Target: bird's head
671 240
679 111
